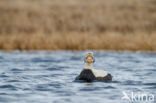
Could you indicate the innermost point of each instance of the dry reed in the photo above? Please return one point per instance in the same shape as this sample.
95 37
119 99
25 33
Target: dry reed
74 41
78 24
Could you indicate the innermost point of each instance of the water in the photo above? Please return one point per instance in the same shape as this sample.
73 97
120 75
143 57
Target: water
48 77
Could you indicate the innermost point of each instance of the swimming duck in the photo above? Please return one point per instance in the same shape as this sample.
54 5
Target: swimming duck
90 74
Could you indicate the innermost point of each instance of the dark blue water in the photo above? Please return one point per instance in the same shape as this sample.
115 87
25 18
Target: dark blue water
48 77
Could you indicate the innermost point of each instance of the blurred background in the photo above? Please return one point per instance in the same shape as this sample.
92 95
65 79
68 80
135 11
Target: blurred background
47 76
78 24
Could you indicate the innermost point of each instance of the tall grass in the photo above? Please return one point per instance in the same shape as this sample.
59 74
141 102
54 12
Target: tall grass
75 41
78 24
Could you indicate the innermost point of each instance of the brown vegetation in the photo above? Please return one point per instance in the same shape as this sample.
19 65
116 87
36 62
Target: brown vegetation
78 24
74 41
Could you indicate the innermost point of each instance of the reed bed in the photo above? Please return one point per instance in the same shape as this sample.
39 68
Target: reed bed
74 41
78 24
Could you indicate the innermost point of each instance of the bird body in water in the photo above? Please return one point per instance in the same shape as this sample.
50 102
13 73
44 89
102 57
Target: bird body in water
90 74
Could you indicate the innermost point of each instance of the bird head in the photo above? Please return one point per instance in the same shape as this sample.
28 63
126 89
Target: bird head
89 58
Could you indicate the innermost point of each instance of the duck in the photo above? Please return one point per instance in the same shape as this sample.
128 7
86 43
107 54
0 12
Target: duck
90 74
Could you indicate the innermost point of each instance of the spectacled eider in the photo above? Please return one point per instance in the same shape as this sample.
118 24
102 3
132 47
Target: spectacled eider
89 74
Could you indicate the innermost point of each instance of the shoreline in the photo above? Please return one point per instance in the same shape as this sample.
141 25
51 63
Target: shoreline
93 51
76 41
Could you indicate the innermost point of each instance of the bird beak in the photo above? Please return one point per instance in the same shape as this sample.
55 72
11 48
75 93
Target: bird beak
89 60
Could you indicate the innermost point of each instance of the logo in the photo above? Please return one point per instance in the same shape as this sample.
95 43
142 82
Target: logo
132 96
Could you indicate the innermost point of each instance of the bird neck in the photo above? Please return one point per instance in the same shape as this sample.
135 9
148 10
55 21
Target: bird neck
88 66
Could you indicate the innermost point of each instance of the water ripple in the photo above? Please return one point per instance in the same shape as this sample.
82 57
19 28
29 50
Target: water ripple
10 87
48 76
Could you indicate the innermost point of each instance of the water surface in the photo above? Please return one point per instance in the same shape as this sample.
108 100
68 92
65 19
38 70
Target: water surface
48 76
